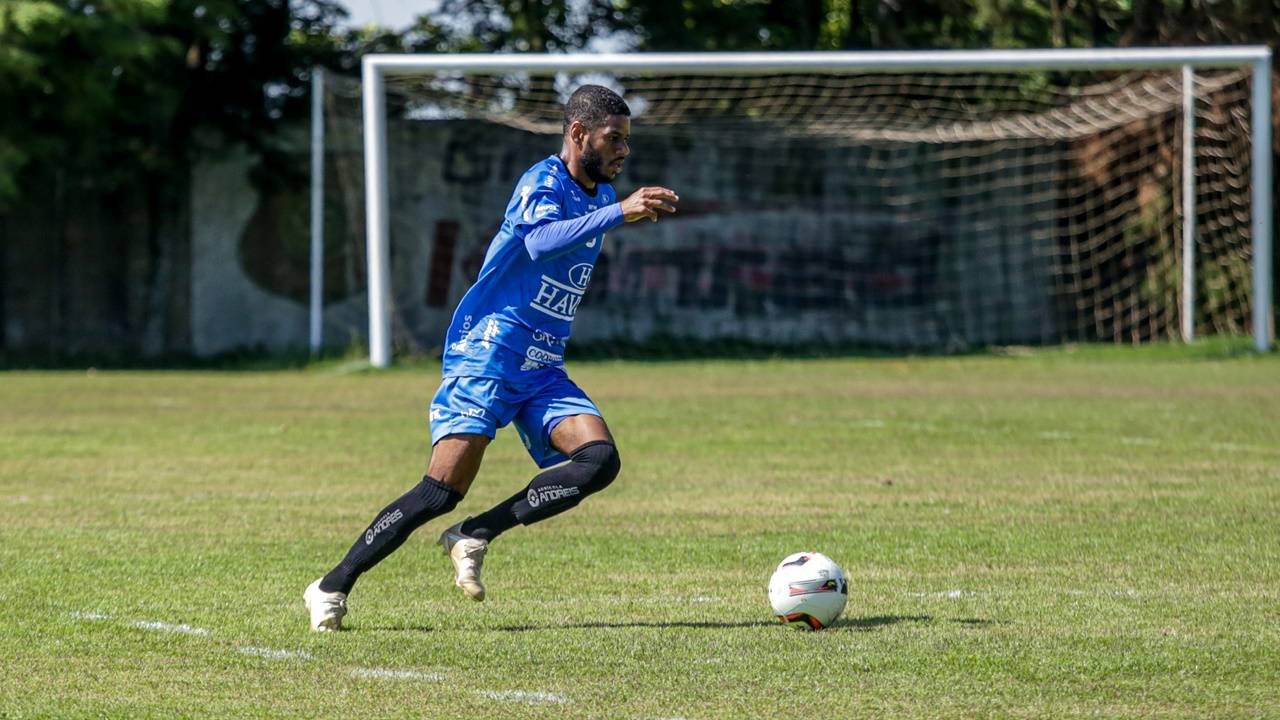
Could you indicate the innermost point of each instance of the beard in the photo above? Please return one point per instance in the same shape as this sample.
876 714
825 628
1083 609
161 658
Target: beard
593 165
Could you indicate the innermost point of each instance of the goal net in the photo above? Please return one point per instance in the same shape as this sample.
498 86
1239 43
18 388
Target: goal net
935 210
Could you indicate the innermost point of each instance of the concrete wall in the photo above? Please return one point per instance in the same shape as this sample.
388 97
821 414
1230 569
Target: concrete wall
789 242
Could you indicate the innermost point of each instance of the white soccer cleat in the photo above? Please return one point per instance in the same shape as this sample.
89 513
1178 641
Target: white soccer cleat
467 554
327 608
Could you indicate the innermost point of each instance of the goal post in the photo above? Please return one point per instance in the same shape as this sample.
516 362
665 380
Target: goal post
1256 60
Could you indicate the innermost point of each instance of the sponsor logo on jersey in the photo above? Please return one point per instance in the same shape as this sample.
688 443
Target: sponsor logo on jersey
383 523
524 202
580 275
539 355
537 358
544 209
557 299
490 332
546 337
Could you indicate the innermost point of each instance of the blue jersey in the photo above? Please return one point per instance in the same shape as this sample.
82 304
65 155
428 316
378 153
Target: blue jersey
519 313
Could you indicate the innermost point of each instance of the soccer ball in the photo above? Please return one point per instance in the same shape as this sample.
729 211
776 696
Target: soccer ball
808 591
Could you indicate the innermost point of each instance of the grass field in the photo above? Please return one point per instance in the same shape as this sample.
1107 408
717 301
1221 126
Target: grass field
1089 533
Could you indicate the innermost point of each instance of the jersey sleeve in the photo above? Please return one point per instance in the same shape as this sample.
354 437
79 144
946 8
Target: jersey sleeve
556 238
541 202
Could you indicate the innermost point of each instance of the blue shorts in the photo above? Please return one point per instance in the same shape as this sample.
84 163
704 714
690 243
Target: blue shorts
536 401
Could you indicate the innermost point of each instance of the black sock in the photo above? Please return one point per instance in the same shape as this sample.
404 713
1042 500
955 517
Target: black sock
389 529
494 521
591 468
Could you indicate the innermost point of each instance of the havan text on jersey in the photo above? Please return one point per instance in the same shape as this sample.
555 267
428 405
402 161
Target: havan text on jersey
560 299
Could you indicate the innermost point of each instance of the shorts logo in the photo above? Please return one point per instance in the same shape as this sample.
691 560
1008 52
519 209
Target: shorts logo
547 494
440 412
383 523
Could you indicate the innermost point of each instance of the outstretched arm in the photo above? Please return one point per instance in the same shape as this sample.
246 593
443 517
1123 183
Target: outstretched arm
560 236
556 238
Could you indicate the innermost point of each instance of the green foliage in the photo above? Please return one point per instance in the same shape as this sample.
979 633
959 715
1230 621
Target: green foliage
115 89
111 88
872 24
531 25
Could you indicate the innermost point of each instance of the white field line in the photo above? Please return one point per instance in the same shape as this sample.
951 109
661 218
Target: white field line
274 654
532 698
87 615
1054 435
1105 593
948 594
383 673
182 629
1139 441
1242 447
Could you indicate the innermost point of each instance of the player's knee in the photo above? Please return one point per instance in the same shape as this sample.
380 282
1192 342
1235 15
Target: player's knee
602 462
431 498
591 468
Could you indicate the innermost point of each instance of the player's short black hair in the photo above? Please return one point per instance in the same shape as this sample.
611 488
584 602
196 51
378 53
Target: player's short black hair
592 105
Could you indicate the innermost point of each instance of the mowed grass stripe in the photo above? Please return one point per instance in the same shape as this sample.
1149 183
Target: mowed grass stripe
1087 533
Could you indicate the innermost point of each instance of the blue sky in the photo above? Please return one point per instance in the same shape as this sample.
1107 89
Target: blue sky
395 14
399 14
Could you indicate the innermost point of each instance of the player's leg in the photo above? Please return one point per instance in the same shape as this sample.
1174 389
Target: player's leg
561 423
465 415
455 460
593 464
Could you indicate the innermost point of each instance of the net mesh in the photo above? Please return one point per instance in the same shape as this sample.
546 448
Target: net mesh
931 211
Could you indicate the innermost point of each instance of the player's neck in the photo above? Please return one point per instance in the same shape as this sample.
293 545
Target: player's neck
576 172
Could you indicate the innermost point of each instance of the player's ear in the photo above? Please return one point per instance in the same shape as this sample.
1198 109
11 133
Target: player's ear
578 133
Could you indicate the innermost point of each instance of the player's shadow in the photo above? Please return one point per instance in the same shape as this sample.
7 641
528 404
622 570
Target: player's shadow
866 624
586 626
859 624
658 625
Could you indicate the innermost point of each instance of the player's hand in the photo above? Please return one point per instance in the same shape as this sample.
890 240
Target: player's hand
647 202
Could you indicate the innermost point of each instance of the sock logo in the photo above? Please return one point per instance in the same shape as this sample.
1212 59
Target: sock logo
537 496
383 523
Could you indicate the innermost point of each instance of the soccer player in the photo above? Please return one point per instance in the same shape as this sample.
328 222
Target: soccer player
504 356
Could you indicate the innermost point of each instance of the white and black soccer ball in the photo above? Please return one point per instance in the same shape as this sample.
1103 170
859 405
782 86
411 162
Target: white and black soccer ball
808 590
